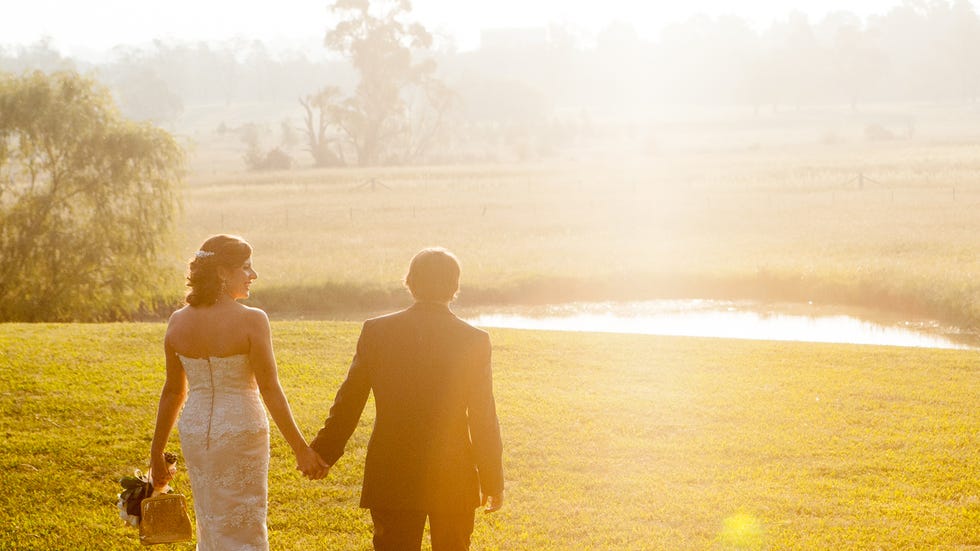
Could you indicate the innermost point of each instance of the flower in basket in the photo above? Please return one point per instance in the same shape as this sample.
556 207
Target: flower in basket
138 487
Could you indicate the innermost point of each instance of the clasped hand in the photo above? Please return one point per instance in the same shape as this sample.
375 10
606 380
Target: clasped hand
311 464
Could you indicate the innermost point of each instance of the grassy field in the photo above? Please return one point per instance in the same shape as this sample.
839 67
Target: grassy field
611 441
891 225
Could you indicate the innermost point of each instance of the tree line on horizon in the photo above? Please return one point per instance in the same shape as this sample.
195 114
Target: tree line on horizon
919 50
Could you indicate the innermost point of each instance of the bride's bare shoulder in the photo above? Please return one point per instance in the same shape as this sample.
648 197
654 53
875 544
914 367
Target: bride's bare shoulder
179 317
254 315
180 312
178 326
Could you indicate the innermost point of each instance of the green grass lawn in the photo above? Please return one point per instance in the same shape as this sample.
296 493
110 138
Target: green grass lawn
611 441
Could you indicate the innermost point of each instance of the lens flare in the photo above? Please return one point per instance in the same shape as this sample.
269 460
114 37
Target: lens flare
741 531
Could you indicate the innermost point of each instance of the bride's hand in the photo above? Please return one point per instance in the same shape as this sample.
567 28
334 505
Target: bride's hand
160 472
311 464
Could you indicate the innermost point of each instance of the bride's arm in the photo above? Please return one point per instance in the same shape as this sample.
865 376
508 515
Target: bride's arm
263 361
171 400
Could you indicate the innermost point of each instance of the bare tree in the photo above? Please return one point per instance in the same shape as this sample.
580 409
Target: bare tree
317 122
376 121
858 61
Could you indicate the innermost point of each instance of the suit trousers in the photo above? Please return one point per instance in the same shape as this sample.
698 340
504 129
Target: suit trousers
402 530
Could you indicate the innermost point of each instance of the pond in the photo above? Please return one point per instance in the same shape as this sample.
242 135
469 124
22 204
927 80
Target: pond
728 319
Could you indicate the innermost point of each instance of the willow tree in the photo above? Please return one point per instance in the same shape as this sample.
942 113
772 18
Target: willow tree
88 202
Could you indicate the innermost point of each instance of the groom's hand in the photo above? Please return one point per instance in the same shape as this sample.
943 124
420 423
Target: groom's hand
319 473
322 470
311 464
493 502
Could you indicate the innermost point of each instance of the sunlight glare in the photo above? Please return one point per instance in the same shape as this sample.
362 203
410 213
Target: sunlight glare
742 531
721 319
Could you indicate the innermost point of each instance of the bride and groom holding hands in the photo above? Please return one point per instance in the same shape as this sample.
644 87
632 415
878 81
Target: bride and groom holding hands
435 451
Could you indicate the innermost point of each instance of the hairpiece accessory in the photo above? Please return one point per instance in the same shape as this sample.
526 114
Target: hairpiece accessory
204 254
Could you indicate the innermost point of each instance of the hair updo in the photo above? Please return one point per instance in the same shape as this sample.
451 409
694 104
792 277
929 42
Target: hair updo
203 280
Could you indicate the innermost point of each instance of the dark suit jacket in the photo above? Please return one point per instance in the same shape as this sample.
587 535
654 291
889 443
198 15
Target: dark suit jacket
436 442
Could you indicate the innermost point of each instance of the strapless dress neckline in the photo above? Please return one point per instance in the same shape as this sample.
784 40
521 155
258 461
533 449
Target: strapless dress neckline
209 358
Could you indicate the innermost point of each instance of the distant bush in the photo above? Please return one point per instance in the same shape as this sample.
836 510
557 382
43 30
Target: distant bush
878 133
830 137
274 159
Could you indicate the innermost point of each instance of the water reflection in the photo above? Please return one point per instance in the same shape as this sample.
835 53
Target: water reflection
735 320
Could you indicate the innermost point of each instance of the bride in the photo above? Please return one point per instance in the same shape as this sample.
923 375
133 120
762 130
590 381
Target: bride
219 363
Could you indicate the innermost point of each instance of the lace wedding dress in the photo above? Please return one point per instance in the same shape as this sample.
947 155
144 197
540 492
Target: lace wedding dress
224 436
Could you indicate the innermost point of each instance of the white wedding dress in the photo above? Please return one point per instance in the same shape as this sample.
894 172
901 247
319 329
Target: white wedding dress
224 436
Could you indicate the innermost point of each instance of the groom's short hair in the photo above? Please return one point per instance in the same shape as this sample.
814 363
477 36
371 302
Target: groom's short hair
433 275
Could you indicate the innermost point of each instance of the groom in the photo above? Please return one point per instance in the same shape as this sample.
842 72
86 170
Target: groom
435 451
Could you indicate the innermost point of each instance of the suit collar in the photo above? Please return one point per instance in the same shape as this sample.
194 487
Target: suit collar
435 307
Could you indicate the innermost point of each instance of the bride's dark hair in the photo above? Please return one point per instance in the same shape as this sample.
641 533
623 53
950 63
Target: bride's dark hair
203 281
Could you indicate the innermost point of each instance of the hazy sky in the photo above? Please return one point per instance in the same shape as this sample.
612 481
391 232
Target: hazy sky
97 25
